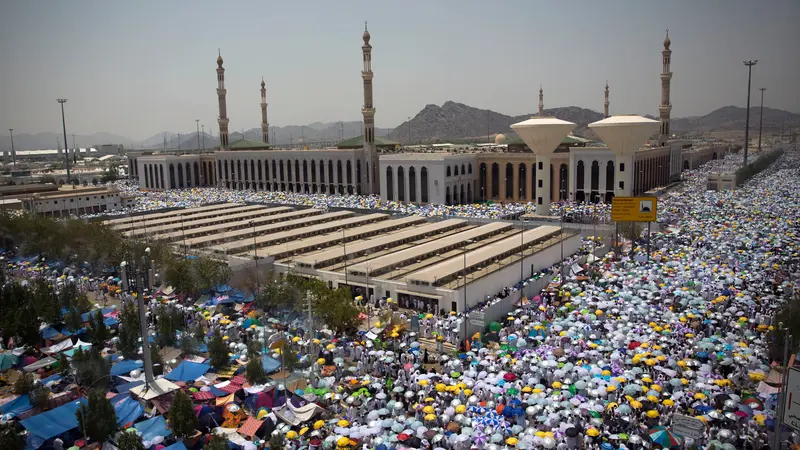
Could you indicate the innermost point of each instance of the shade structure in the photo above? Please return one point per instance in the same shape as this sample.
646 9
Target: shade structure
624 135
543 135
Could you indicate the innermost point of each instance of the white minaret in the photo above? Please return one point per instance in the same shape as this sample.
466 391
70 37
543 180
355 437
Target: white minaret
223 110
665 107
368 112
541 101
264 123
605 103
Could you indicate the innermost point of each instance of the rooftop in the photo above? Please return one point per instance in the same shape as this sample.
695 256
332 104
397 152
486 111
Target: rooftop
247 144
358 141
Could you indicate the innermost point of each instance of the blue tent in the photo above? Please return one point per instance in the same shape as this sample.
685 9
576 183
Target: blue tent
270 364
176 446
19 405
52 378
111 321
150 428
125 366
54 422
126 387
127 409
7 360
187 371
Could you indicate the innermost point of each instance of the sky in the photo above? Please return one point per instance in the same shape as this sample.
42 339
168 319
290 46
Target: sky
140 68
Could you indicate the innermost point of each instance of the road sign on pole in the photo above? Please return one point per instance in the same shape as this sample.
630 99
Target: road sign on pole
688 426
634 209
791 409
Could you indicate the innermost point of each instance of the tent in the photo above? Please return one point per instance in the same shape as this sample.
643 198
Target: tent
7 360
55 379
126 387
54 422
155 389
66 344
270 364
40 364
127 409
187 371
124 367
19 405
150 428
294 416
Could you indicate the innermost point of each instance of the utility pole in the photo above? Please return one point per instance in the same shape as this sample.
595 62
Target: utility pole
179 141
64 127
761 118
13 152
204 136
749 64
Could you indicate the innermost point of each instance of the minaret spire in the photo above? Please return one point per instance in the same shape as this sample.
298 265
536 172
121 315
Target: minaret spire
666 76
223 109
368 113
264 123
541 101
605 103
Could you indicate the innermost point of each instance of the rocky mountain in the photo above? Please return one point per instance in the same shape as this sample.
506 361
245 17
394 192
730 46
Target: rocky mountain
456 121
459 122
47 140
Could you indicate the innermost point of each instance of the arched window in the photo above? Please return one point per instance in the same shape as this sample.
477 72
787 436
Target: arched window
297 171
447 196
424 183
331 180
313 171
412 185
462 198
401 184
253 171
509 180
563 189
469 167
495 180
455 170
349 166
282 173
161 179
580 175
463 172
469 193
339 175
305 171
322 171
389 184
610 176
196 173
171 176
449 172
180 175
482 181
358 177
595 183
260 171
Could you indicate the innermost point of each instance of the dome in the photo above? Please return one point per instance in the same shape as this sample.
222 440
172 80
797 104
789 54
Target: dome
667 42
366 37
219 60
500 139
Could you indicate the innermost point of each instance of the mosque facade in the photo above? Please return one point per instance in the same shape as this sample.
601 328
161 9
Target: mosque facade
577 172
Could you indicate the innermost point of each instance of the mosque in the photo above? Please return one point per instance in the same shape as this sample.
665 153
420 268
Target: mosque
362 166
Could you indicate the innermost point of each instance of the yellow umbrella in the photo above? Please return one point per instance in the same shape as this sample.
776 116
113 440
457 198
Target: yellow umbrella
669 402
303 431
430 417
593 432
343 423
423 382
321 361
512 441
652 414
319 424
699 396
636 404
343 442
461 409
330 346
428 399
428 409
291 434
611 405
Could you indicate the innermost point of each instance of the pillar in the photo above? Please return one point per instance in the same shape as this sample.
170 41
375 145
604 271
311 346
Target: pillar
488 187
543 194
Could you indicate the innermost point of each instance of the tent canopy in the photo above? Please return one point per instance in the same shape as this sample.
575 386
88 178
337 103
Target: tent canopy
127 409
19 405
54 422
124 367
150 428
270 364
188 371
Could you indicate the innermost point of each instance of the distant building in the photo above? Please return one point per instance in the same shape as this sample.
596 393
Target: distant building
75 200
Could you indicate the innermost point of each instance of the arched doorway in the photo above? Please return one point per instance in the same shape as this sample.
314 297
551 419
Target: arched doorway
610 172
447 196
685 164
469 193
424 184
509 181
563 188
482 181
595 183
401 184
389 184
412 185
349 171
579 182
462 197
495 175
180 175
172 176
714 155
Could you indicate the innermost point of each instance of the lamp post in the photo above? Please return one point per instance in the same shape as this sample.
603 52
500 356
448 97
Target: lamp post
255 252
749 64
203 127
13 152
183 235
139 277
522 251
197 122
464 274
344 244
761 118
64 128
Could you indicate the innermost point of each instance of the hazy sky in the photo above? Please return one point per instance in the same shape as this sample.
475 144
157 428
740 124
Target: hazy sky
138 68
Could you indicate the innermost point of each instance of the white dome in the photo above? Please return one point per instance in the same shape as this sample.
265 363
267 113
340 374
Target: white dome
500 139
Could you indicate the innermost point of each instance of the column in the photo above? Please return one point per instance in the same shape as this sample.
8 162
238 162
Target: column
543 194
515 183
488 187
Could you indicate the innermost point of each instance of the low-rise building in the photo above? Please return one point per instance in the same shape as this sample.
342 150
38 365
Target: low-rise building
76 200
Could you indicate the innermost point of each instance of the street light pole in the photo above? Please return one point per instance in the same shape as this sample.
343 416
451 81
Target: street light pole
761 117
255 252
64 127
204 136
197 122
749 64
344 244
13 152
464 274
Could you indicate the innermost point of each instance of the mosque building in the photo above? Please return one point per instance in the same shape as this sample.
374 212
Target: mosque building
360 165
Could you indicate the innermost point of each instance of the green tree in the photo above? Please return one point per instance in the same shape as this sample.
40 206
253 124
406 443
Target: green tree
73 319
46 301
182 419
156 359
97 417
39 396
209 273
27 325
129 441
218 351
166 328
98 332
64 367
188 344
129 332
277 441
90 367
288 358
216 442
24 384
198 332
254 369
11 437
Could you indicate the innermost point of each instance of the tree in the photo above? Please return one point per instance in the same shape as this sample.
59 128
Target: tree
73 319
182 419
129 332
90 366
218 351
198 332
97 417
166 328
216 442
11 437
188 344
156 359
209 273
129 441
27 325
98 333
288 358
39 396
254 369
24 384
277 441
64 367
